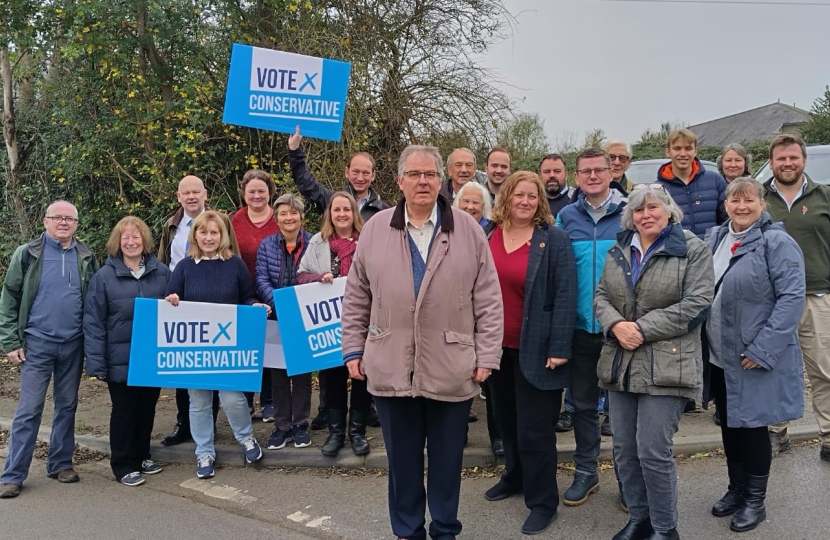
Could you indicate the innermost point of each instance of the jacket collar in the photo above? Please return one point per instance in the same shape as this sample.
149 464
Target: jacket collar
811 185
374 198
675 245
121 269
177 216
667 174
618 202
755 234
35 247
447 224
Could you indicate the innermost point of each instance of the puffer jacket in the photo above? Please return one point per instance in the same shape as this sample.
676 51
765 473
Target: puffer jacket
669 303
701 199
108 314
762 299
269 265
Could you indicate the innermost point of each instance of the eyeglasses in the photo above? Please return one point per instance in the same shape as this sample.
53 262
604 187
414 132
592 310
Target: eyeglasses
415 175
60 219
472 202
587 172
656 187
623 159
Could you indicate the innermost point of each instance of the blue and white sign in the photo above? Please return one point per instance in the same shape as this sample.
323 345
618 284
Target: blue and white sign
278 91
310 314
197 345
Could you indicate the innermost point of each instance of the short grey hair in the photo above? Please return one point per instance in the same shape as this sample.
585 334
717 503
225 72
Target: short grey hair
49 208
745 185
292 201
741 151
487 203
638 199
462 149
429 151
616 142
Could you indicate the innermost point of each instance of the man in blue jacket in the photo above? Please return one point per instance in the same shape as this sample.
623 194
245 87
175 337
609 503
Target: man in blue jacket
592 222
698 192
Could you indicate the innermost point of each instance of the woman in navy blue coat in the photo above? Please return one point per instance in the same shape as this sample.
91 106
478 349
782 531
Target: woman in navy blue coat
131 271
756 373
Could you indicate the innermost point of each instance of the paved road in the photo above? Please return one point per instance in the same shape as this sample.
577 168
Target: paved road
298 505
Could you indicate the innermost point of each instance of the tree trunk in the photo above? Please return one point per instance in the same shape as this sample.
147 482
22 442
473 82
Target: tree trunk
10 136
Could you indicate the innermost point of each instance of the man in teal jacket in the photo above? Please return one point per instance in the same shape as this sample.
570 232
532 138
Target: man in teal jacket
41 316
592 222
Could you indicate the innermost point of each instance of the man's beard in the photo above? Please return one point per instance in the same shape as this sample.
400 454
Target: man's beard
554 188
792 182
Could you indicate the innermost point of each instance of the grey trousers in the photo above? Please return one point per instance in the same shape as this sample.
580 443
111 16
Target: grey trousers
643 428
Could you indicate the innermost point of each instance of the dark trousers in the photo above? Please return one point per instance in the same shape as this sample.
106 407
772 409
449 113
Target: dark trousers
292 398
337 390
527 418
183 407
407 423
264 392
321 382
131 426
748 446
585 393
492 423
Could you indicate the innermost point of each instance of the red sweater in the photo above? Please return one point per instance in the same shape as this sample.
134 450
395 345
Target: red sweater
512 270
248 236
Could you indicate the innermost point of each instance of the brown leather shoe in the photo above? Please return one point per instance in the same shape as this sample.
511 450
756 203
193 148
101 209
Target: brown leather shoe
9 491
66 476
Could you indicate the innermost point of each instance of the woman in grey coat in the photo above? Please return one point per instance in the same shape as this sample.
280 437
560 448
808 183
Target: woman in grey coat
329 256
653 296
756 372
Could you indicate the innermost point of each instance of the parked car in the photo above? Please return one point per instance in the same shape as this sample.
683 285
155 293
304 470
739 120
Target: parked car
817 168
645 171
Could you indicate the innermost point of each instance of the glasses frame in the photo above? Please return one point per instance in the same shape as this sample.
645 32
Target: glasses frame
61 219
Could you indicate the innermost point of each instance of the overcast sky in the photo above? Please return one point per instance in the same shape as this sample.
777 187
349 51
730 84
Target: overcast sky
626 66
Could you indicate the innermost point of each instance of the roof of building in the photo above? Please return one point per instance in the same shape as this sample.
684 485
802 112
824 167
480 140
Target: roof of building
760 124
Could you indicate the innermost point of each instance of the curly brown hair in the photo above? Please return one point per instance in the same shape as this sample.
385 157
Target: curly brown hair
501 213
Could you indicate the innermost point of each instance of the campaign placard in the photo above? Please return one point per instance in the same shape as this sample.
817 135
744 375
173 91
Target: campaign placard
310 315
278 91
197 345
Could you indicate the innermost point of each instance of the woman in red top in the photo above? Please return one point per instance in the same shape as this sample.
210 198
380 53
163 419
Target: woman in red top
537 273
251 224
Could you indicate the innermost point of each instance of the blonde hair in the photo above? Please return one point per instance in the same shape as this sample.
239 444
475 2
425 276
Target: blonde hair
114 242
224 250
686 134
327 228
501 213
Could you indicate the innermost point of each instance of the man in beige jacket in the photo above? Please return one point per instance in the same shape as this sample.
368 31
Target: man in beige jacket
422 323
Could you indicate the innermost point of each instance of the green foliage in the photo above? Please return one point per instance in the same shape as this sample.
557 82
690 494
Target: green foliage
525 139
817 130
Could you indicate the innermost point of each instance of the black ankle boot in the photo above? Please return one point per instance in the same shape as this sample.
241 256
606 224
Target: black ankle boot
734 498
321 420
337 432
357 432
665 535
180 434
753 512
635 530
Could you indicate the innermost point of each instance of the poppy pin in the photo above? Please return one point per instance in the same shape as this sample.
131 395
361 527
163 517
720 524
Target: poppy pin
541 244
803 210
734 247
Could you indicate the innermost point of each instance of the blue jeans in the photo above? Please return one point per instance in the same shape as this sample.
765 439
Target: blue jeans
601 406
643 429
43 358
201 418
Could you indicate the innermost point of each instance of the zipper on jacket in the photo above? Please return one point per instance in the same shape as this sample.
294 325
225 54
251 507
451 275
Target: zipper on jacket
594 273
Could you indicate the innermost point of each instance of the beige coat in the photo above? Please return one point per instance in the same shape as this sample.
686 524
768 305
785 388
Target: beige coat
429 346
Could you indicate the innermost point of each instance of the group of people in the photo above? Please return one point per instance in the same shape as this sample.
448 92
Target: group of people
692 287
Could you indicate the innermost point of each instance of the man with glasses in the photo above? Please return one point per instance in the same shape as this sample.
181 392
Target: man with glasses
360 173
554 175
592 222
41 331
698 192
461 168
620 155
192 197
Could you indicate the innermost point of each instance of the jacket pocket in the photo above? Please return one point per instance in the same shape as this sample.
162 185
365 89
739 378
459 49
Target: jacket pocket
387 369
609 363
448 365
676 363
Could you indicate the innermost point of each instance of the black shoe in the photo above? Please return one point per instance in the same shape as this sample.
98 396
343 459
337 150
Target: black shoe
498 447
337 432
357 432
824 453
635 530
623 504
716 417
753 512
667 535
537 522
179 435
691 406
582 487
565 423
320 421
374 419
499 492
605 427
734 498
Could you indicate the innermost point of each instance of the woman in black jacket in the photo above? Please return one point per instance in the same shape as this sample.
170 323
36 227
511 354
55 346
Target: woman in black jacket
131 271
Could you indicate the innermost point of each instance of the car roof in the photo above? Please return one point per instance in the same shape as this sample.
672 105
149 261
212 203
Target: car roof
819 149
